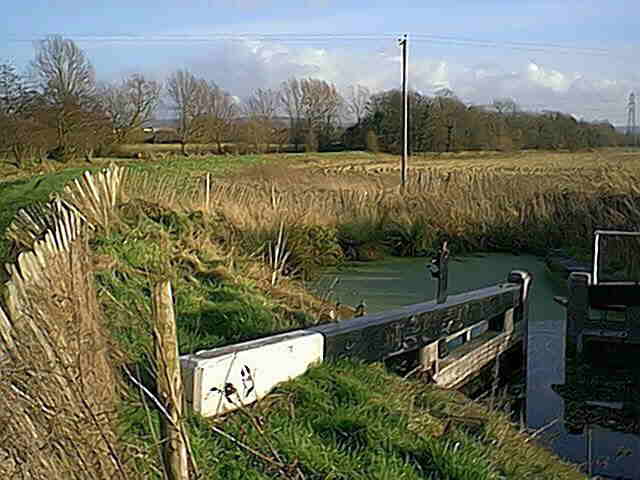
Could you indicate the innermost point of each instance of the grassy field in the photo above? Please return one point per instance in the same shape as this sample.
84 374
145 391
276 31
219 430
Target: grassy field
530 202
22 187
338 207
217 245
333 208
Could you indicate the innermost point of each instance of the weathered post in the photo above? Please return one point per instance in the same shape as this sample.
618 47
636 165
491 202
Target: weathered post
6 340
169 382
208 193
429 359
577 308
521 313
439 268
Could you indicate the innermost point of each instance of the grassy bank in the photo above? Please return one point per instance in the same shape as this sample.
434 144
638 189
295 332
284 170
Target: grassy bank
217 245
22 187
351 421
28 189
339 421
222 297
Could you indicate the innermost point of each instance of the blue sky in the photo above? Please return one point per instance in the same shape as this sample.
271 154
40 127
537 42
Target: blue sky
473 47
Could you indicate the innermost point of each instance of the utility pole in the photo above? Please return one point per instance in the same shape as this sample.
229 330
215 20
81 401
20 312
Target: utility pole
405 112
631 119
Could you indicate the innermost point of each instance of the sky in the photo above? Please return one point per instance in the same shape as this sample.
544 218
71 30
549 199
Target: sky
578 57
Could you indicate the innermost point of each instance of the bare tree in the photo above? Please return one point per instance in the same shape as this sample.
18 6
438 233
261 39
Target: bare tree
11 100
356 101
63 71
66 81
130 104
321 107
22 135
312 105
260 109
505 106
264 103
292 103
12 90
446 111
188 94
220 111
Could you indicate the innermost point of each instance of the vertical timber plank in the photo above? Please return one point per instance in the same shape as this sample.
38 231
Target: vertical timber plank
521 312
174 449
578 308
6 341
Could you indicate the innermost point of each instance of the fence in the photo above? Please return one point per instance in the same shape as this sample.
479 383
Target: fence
57 391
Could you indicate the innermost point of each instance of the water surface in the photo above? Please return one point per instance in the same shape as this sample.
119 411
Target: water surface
395 282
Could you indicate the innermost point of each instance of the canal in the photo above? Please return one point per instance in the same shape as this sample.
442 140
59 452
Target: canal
394 282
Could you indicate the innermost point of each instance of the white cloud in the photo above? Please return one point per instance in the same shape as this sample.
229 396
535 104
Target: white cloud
429 76
241 67
537 86
552 79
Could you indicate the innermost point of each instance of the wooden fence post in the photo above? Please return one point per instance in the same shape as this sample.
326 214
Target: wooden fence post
6 341
208 193
169 381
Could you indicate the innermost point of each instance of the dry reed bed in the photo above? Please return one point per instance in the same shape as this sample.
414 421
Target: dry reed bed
526 209
521 160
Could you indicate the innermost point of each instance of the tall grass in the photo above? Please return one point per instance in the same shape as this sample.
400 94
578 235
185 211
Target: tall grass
352 421
59 389
490 209
340 421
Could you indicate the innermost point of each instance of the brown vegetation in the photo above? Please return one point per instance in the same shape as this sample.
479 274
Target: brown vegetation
58 389
337 207
323 209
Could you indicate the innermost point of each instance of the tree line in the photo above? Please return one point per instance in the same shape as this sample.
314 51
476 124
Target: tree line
443 123
61 111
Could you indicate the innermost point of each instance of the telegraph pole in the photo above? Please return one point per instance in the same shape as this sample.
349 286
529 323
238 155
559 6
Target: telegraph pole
631 119
405 112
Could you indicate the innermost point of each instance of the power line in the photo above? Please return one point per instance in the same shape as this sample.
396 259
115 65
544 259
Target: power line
292 38
512 43
291 35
